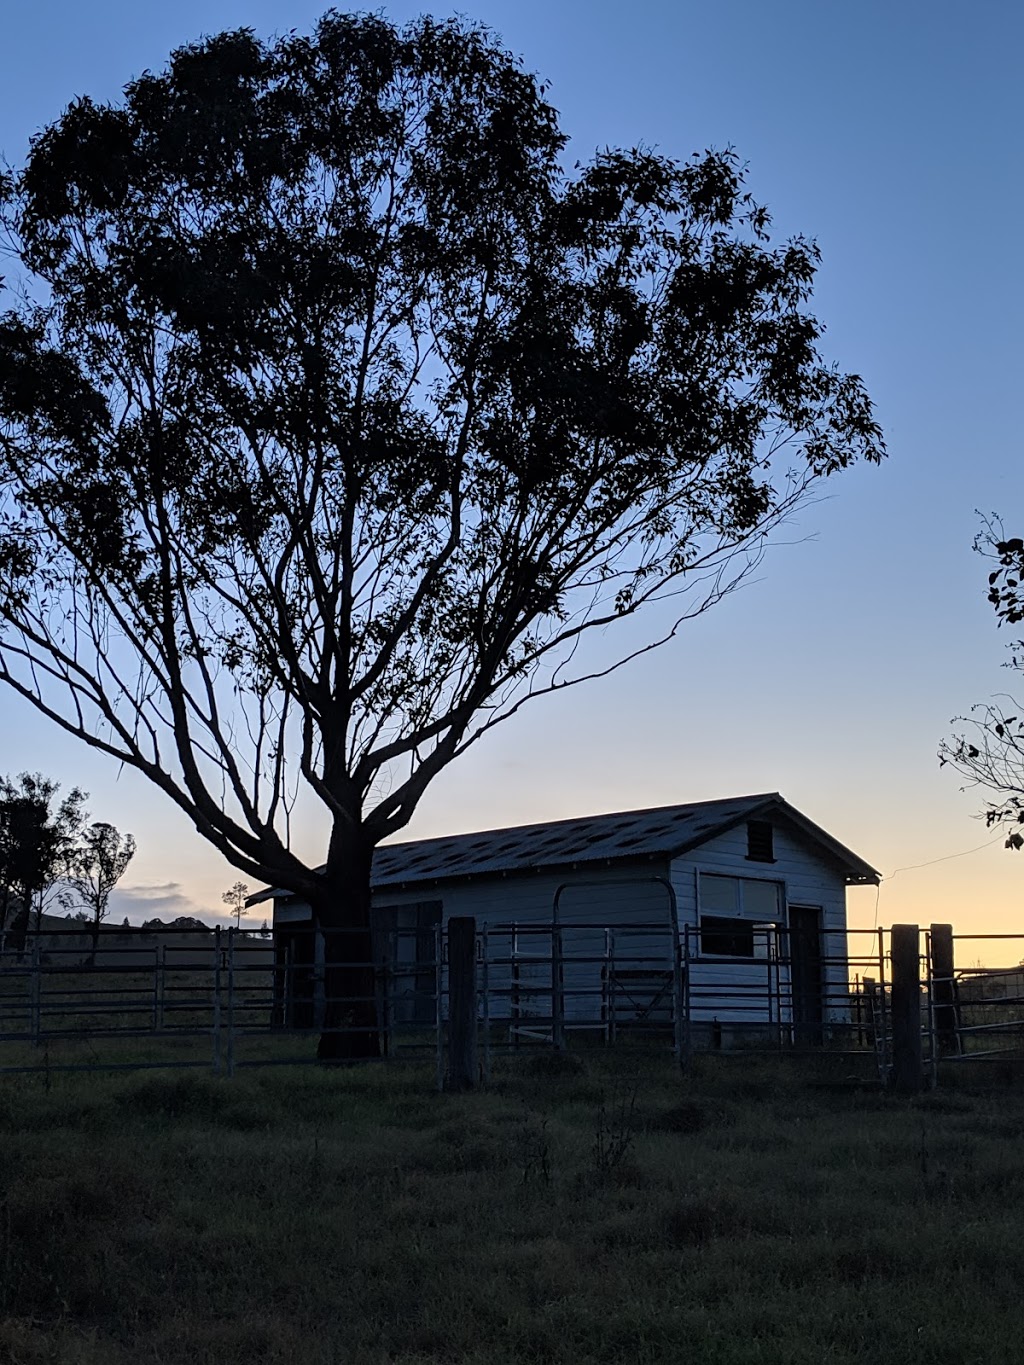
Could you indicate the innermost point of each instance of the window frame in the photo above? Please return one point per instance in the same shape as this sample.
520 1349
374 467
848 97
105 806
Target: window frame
781 921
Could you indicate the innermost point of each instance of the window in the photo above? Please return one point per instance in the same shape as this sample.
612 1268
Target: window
726 937
736 915
760 847
741 898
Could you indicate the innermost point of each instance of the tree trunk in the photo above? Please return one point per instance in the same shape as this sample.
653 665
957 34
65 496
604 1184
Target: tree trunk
351 1026
19 928
95 940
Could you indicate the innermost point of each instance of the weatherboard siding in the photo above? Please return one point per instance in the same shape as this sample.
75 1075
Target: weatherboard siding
592 899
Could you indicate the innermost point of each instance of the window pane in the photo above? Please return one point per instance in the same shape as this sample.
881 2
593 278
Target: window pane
720 895
726 937
761 900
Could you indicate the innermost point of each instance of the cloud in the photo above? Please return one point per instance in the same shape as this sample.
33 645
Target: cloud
155 900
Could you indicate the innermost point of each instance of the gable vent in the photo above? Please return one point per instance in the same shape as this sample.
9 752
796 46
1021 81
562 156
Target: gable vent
760 844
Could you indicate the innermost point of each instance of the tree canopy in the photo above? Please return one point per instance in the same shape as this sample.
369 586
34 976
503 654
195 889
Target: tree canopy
37 844
988 751
336 409
94 867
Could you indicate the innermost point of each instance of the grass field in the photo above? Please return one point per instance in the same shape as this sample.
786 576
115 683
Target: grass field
594 1210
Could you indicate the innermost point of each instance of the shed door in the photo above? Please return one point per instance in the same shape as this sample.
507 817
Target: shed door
806 974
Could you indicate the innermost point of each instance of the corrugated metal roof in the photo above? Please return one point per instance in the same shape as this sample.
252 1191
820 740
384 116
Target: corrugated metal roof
527 848
667 831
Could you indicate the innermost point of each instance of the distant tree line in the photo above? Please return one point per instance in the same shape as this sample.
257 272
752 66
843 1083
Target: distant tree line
50 852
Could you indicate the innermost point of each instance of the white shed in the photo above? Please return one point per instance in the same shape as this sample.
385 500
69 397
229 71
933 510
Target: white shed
751 889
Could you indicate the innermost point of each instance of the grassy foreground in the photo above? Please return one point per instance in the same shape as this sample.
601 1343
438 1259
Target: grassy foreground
603 1210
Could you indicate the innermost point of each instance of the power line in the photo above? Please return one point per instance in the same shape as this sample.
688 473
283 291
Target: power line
948 857
977 849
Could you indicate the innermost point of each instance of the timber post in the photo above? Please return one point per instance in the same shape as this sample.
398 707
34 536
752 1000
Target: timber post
905 952
462 1060
945 1006
216 1001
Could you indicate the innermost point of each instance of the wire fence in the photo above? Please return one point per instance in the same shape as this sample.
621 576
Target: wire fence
232 999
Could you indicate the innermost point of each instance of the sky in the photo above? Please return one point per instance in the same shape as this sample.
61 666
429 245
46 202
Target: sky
892 135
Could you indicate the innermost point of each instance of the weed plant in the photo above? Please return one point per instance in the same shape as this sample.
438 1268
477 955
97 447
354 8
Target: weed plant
604 1209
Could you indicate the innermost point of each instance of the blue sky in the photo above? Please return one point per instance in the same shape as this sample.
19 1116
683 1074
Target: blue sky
892 134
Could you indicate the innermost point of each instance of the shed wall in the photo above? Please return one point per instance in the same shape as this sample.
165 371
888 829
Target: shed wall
591 900
734 992
600 910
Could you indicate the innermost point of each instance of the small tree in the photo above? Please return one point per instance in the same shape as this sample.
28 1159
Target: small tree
96 865
989 752
343 412
37 840
236 897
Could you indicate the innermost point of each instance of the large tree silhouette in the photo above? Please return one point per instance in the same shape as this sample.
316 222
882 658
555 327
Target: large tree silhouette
335 412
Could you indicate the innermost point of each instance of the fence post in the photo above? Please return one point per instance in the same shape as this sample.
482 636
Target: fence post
884 987
905 951
231 1000
677 998
687 1034
943 989
438 1011
386 984
216 1001
161 984
462 1064
557 991
485 991
37 987
515 1009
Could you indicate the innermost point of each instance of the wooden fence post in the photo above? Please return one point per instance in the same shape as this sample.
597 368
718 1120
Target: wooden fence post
216 1001
485 1004
945 1006
36 990
161 986
232 932
439 1001
905 952
462 1065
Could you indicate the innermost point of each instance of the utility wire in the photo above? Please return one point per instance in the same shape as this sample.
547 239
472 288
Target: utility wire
931 863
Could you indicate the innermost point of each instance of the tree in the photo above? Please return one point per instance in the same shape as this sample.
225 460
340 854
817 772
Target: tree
336 414
37 841
95 866
236 897
990 752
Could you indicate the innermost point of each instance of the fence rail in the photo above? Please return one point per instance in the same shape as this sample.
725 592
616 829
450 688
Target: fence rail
230 999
